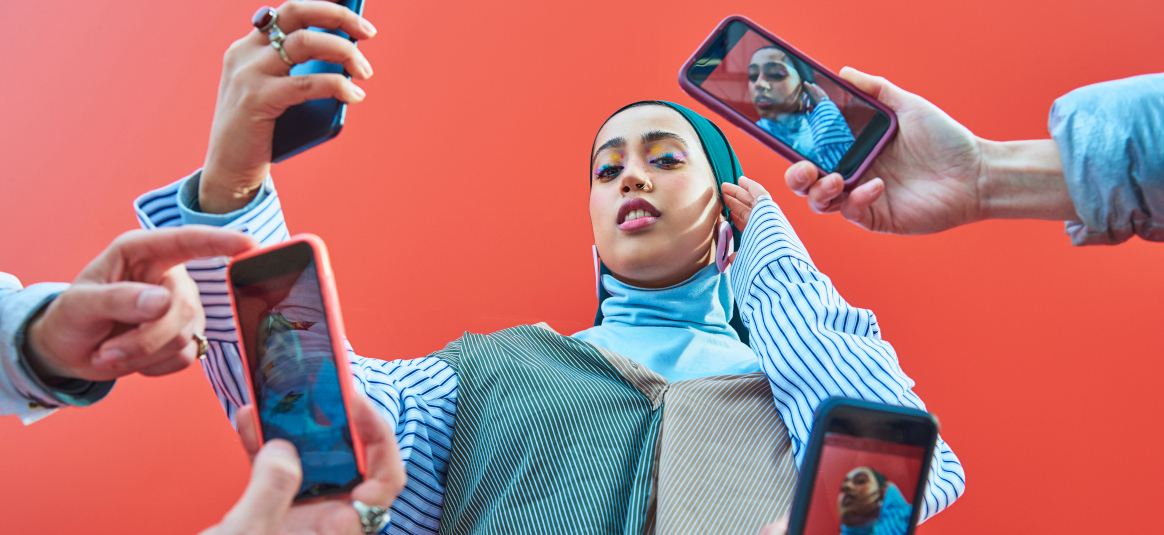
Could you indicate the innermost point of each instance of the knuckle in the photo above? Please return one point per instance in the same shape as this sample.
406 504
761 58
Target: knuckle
282 477
303 84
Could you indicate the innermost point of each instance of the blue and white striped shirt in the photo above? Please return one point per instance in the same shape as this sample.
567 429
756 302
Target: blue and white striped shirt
811 345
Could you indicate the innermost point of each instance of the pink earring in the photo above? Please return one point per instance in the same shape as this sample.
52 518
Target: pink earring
597 272
724 246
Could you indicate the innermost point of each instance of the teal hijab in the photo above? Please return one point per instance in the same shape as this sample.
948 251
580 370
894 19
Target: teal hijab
724 165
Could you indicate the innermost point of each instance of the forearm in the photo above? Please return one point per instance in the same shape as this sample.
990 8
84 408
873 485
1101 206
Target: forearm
1023 180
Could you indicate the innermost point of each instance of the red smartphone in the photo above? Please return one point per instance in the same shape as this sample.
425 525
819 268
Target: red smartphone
864 471
787 100
287 314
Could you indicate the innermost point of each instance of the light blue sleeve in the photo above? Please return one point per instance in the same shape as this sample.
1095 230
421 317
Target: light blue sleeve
830 133
22 392
813 345
1111 141
417 397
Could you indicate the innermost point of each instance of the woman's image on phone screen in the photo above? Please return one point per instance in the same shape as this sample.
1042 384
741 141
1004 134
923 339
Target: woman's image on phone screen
864 487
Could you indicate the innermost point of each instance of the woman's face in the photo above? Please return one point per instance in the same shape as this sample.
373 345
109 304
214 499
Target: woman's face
654 202
772 83
860 498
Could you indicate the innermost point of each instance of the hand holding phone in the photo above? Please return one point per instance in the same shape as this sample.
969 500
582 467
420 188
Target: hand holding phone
290 331
786 100
865 470
256 89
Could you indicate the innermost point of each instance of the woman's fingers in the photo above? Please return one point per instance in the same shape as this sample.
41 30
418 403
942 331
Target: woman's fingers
295 15
858 208
754 188
288 91
244 419
303 46
800 176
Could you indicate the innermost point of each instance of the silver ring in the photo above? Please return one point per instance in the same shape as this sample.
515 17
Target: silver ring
203 346
276 35
373 519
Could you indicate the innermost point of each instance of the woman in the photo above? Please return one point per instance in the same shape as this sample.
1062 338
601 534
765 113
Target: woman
606 431
794 109
869 504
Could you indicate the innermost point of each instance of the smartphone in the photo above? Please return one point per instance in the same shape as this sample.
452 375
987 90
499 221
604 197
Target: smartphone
865 470
306 125
291 339
787 100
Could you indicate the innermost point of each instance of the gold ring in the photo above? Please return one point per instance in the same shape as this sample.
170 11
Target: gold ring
203 346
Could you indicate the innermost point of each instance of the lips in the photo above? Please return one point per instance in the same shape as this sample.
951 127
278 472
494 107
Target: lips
636 213
764 102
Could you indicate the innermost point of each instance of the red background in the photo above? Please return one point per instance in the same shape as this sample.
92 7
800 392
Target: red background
455 200
840 455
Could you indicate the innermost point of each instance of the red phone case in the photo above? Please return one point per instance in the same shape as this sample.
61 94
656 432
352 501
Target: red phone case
335 331
767 139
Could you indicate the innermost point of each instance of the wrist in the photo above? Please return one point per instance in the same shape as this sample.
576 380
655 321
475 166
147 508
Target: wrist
221 192
37 355
1023 180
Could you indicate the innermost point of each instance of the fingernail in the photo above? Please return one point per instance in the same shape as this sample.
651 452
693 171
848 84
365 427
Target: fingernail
282 448
110 358
367 26
152 300
357 92
365 66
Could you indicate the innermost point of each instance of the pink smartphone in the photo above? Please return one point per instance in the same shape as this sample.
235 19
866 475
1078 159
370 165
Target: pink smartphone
787 100
291 337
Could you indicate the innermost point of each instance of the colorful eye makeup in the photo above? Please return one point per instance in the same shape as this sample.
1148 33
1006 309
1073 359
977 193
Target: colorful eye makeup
611 168
666 157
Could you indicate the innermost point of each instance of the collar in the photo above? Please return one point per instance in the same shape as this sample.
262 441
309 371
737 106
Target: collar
703 302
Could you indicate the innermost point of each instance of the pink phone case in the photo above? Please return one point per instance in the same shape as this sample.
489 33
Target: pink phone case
335 331
767 139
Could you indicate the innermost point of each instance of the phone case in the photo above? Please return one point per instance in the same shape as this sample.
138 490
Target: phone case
802 496
335 331
758 133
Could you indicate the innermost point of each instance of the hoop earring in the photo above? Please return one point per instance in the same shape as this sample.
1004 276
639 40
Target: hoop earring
597 272
724 246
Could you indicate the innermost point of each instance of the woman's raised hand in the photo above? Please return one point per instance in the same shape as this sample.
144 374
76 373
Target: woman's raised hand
741 199
256 88
927 179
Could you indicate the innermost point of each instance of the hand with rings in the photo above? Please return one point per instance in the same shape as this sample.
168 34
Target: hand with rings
266 507
256 88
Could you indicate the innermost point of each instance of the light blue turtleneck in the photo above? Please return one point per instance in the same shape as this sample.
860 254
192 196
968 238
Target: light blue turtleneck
680 332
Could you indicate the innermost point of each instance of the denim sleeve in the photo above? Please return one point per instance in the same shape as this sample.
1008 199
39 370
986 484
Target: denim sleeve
1111 140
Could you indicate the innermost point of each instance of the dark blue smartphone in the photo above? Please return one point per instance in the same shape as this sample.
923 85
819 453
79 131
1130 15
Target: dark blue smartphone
306 125
865 470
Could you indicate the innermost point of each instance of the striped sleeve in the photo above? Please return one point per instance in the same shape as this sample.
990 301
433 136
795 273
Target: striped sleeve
417 397
813 345
830 133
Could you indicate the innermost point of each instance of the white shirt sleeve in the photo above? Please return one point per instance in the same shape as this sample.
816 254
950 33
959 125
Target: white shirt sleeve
813 345
416 397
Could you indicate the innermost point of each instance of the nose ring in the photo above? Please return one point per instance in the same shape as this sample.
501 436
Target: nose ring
644 187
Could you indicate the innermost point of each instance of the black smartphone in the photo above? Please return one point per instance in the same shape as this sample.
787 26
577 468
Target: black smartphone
786 100
291 343
308 124
865 470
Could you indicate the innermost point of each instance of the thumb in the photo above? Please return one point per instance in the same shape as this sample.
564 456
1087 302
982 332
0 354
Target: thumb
858 206
275 479
123 302
877 87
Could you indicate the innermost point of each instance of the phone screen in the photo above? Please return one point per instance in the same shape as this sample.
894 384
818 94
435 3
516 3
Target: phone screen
289 350
788 99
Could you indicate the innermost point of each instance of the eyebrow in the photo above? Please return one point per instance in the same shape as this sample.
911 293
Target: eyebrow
647 137
660 135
